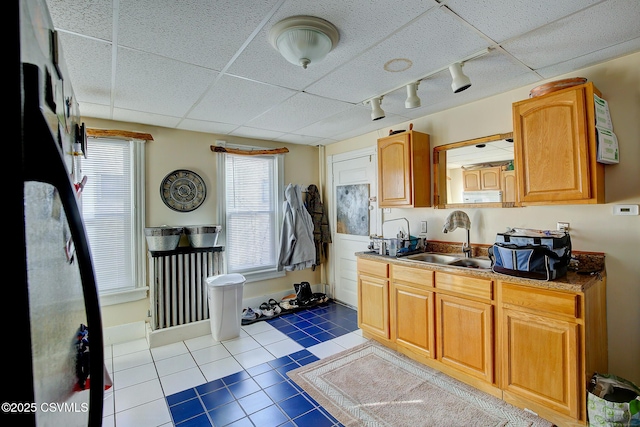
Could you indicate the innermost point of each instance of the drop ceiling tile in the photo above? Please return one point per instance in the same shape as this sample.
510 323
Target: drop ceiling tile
248 132
87 17
89 65
433 41
206 33
297 112
501 20
572 65
145 82
237 101
338 123
125 115
360 23
604 25
206 126
299 139
97 111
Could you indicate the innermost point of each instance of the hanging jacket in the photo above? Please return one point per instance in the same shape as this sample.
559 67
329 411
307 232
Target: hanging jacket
297 250
321 233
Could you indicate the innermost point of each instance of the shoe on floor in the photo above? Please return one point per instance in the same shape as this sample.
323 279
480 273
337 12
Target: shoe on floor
266 309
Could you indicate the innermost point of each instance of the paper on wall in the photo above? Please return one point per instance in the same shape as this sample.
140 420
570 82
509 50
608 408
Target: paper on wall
607 146
603 117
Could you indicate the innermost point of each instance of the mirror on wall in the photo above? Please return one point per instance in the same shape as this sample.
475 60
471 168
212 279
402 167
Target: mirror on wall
475 173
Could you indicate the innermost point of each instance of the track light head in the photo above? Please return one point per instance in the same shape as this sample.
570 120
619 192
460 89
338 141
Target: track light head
460 81
412 100
377 112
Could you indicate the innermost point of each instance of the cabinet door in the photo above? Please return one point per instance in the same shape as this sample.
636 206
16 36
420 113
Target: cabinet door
551 147
509 186
490 178
465 335
471 180
394 170
412 319
540 360
373 305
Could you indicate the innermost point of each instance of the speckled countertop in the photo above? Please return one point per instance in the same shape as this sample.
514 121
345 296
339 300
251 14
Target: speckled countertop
572 281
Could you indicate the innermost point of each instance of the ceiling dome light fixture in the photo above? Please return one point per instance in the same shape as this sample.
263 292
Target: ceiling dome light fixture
377 112
304 40
412 100
460 81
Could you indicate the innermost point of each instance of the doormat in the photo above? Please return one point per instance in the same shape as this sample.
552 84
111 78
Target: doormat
371 385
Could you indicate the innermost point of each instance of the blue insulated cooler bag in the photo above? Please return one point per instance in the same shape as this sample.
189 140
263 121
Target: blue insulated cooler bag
533 254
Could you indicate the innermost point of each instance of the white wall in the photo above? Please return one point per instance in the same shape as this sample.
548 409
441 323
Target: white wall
593 227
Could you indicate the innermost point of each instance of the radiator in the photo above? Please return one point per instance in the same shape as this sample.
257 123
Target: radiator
178 284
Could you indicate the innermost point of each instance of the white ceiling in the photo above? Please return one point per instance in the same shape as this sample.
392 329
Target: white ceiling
207 65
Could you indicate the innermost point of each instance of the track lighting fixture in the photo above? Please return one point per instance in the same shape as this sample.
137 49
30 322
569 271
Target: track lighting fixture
304 40
412 100
460 81
377 112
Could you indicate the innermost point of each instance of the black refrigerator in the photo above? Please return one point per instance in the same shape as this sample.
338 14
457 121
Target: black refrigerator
50 308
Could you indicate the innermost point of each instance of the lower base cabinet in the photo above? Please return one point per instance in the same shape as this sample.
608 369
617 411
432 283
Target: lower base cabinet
525 344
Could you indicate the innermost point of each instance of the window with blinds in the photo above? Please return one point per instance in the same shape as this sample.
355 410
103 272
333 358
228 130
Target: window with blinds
252 213
110 213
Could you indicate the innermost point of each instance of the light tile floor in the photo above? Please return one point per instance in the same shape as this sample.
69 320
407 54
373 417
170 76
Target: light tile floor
237 383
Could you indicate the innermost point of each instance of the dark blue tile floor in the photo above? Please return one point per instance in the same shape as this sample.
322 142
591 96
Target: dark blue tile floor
264 396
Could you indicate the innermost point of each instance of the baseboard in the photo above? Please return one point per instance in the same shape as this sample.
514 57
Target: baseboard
178 333
124 333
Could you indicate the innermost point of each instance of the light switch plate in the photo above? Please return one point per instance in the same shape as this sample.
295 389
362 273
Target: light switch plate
625 209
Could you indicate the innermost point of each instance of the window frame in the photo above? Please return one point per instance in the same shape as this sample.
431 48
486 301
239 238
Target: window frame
264 274
138 264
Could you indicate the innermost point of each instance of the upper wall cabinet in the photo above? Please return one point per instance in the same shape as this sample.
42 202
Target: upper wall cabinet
404 170
556 149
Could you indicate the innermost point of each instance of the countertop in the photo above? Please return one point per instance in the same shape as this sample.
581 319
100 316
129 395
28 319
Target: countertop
572 282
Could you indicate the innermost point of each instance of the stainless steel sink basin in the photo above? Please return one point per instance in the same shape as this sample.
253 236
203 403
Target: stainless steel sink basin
472 263
433 258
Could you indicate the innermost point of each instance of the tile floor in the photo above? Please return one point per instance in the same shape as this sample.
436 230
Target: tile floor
236 383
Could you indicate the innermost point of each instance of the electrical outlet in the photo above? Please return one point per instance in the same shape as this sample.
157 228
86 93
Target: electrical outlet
562 226
386 210
423 227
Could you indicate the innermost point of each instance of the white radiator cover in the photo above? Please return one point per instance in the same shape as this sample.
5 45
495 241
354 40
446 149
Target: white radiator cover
178 284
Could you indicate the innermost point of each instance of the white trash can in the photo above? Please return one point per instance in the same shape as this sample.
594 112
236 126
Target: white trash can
225 305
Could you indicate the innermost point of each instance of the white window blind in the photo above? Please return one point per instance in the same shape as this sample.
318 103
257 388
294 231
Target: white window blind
252 213
109 212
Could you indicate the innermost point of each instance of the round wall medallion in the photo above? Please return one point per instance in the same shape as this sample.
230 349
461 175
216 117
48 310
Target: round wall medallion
183 190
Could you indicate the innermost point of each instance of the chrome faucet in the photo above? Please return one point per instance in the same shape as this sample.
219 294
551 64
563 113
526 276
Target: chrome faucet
397 219
460 219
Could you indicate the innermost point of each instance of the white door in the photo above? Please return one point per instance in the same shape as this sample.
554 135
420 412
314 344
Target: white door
353 175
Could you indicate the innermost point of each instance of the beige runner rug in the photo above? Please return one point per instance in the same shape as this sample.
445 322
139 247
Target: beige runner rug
371 385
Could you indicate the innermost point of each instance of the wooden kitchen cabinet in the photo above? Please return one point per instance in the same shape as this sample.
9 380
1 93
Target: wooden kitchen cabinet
465 324
373 297
509 188
404 170
482 179
556 149
412 310
548 349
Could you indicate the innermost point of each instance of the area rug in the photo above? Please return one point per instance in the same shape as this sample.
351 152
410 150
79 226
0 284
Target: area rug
371 385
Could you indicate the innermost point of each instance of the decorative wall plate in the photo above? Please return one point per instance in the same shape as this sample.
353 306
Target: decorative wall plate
183 190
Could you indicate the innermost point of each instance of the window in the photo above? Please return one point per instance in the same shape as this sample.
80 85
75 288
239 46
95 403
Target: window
251 213
112 205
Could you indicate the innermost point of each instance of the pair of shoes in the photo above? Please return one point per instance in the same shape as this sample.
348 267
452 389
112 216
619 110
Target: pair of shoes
266 310
250 314
275 306
289 304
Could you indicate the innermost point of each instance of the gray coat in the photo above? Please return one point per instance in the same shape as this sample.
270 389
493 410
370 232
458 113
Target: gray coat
297 248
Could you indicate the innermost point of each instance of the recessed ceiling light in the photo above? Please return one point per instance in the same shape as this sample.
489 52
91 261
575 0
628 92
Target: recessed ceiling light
398 64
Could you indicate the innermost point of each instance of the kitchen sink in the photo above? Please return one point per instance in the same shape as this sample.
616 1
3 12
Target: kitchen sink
472 263
453 260
433 258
